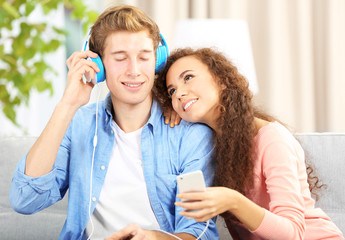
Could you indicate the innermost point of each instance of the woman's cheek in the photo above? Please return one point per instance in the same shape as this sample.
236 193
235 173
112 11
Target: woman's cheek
175 106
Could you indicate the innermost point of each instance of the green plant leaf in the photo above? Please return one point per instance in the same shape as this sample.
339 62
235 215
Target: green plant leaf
29 7
4 95
59 31
40 27
11 10
23 67
8 58
53 45
92 15
9 112
50 5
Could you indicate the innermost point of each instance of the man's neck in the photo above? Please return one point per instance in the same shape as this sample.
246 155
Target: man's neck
131 117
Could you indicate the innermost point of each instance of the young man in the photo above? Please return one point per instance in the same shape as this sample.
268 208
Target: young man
136 158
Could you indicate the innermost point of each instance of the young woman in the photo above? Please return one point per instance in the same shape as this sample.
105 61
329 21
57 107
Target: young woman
262 188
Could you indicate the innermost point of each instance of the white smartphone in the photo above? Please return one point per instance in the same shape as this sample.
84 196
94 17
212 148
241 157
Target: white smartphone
191 182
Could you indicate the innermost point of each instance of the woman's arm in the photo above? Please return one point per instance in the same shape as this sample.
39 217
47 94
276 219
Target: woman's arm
217 200
286 210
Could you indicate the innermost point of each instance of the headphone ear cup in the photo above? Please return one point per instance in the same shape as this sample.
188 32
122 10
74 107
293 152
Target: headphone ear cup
161 55
101 73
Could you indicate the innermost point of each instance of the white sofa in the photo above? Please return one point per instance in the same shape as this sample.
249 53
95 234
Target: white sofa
326 152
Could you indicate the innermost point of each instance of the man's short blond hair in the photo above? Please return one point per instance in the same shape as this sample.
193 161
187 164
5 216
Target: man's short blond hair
121 18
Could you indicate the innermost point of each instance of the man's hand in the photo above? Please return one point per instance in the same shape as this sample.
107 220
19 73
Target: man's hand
132 231
76 93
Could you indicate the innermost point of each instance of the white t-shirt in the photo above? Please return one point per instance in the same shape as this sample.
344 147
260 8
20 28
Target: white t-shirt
123 199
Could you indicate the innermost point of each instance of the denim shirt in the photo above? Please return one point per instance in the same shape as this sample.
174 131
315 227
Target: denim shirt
166 153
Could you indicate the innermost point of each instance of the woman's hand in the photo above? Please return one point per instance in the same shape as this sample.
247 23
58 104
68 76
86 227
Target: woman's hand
217 200
212 202
76 92
171 117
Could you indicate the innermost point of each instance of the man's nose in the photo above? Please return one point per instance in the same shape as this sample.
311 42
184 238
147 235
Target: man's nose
133 68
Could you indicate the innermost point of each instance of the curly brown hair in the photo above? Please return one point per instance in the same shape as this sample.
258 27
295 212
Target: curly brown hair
234 145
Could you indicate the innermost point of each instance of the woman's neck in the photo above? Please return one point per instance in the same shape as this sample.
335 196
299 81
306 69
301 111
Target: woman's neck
259 123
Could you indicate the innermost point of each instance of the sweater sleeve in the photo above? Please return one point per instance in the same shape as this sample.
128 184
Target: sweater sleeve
285 217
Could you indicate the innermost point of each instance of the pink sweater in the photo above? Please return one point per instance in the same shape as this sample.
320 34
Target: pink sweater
280 187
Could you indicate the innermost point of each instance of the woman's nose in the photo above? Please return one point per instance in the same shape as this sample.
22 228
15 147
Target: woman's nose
181 92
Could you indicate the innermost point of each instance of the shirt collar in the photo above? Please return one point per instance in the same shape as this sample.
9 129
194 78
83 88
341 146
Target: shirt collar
108 105
156 111
156 114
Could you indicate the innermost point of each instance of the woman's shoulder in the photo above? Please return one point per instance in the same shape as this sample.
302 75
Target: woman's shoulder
275 143
272 132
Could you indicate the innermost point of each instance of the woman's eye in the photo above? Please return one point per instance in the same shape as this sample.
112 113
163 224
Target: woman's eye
188 77
171 91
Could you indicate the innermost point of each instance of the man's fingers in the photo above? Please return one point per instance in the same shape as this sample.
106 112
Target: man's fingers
129 231
85 66
92 64
79 55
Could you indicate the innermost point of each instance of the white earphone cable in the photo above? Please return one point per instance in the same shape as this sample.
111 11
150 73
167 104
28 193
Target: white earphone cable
202 233
93 159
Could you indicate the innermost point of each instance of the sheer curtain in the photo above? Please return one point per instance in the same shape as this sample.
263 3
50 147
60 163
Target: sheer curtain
298 47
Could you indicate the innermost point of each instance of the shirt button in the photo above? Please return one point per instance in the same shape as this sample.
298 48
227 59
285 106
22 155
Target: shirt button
94 199
106 119
112 132
103 167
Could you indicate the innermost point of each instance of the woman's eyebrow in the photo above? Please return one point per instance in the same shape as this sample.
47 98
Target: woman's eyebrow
183 73
179 77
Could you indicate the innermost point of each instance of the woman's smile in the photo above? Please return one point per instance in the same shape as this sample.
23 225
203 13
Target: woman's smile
188 104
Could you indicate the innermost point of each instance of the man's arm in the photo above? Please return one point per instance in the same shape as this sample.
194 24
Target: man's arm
42 155
156 235
196 153
163 236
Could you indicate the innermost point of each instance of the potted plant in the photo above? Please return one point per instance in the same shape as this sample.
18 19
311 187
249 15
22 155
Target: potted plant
22 62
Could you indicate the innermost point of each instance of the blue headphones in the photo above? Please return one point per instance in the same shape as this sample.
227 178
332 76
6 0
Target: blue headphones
162 54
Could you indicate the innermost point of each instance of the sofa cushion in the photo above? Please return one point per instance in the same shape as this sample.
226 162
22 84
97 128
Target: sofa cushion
46 224
326 153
